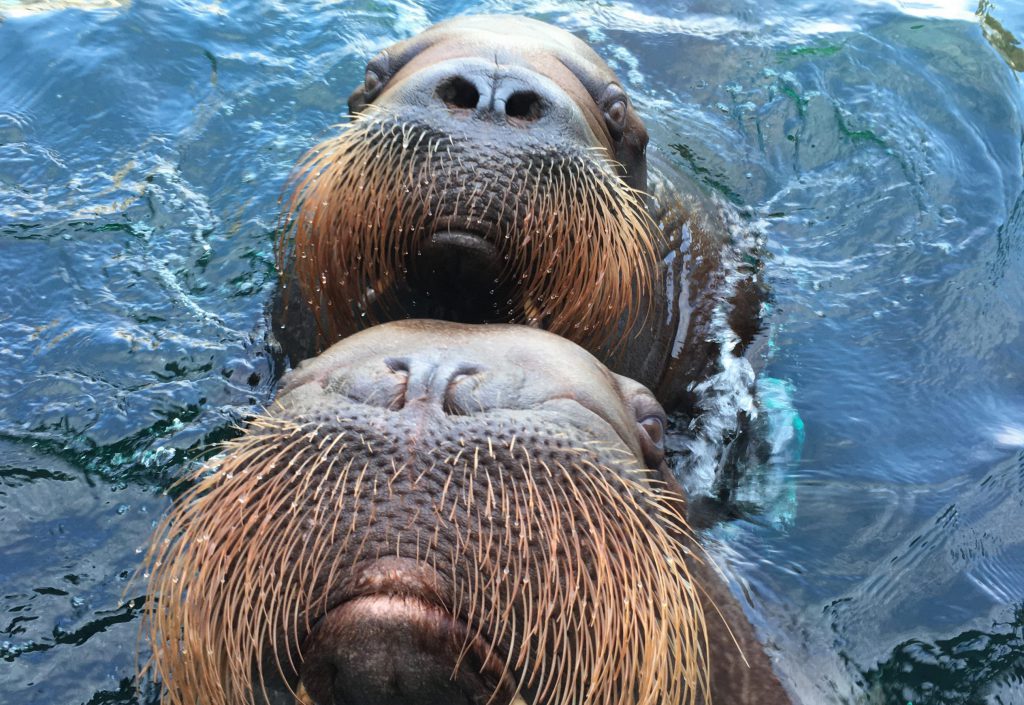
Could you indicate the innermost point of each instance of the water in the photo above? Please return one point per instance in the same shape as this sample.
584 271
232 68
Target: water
143 147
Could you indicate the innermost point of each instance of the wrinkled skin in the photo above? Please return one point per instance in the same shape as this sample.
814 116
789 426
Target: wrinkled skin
356 545
499 117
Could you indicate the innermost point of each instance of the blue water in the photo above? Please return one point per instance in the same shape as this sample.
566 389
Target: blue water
143 148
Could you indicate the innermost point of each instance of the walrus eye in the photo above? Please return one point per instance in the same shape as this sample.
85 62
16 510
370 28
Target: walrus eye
371 85
615 110
377 72
652 439
654 426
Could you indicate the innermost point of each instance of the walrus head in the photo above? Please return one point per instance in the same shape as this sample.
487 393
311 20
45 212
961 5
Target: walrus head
493 171
435 513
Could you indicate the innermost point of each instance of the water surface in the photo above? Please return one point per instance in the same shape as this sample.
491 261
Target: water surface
143 147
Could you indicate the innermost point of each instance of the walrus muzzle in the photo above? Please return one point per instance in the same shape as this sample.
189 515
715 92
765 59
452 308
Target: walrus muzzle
397 218
477 515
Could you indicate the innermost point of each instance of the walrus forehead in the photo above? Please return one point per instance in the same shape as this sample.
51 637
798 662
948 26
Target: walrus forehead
506 38
522 31
536 353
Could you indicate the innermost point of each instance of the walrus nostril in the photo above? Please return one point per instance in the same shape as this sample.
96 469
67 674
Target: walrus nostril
397 364
525 105
399 367
428 382
458 93
455 403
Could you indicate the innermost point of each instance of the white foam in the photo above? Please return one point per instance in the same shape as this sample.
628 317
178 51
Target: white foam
1009 436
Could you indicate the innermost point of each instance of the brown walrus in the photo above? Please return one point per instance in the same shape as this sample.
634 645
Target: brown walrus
436 513
495 170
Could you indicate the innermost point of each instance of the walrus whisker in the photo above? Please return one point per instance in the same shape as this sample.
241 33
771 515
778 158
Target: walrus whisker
591 572
363 199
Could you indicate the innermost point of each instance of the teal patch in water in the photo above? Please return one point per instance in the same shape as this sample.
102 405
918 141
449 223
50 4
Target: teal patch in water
825 50
769 484
716 181
785 427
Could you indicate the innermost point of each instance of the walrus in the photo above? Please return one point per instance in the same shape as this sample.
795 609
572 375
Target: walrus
494 169
435 513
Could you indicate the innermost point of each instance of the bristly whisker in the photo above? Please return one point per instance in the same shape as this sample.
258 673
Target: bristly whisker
581 583
562 222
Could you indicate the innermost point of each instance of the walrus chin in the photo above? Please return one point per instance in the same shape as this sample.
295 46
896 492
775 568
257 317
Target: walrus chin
396 218
438 534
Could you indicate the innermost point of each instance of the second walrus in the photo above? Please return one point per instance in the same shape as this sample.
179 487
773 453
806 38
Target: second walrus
436 513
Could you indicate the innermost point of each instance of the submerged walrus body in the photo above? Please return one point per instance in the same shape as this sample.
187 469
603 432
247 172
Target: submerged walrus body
443 512
436 513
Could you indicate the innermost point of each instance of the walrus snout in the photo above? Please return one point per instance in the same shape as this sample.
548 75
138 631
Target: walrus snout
537 375
494 96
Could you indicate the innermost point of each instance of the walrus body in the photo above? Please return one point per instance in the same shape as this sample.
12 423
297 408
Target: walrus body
440 512
496 171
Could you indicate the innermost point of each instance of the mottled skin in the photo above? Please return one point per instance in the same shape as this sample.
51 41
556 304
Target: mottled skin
508 80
